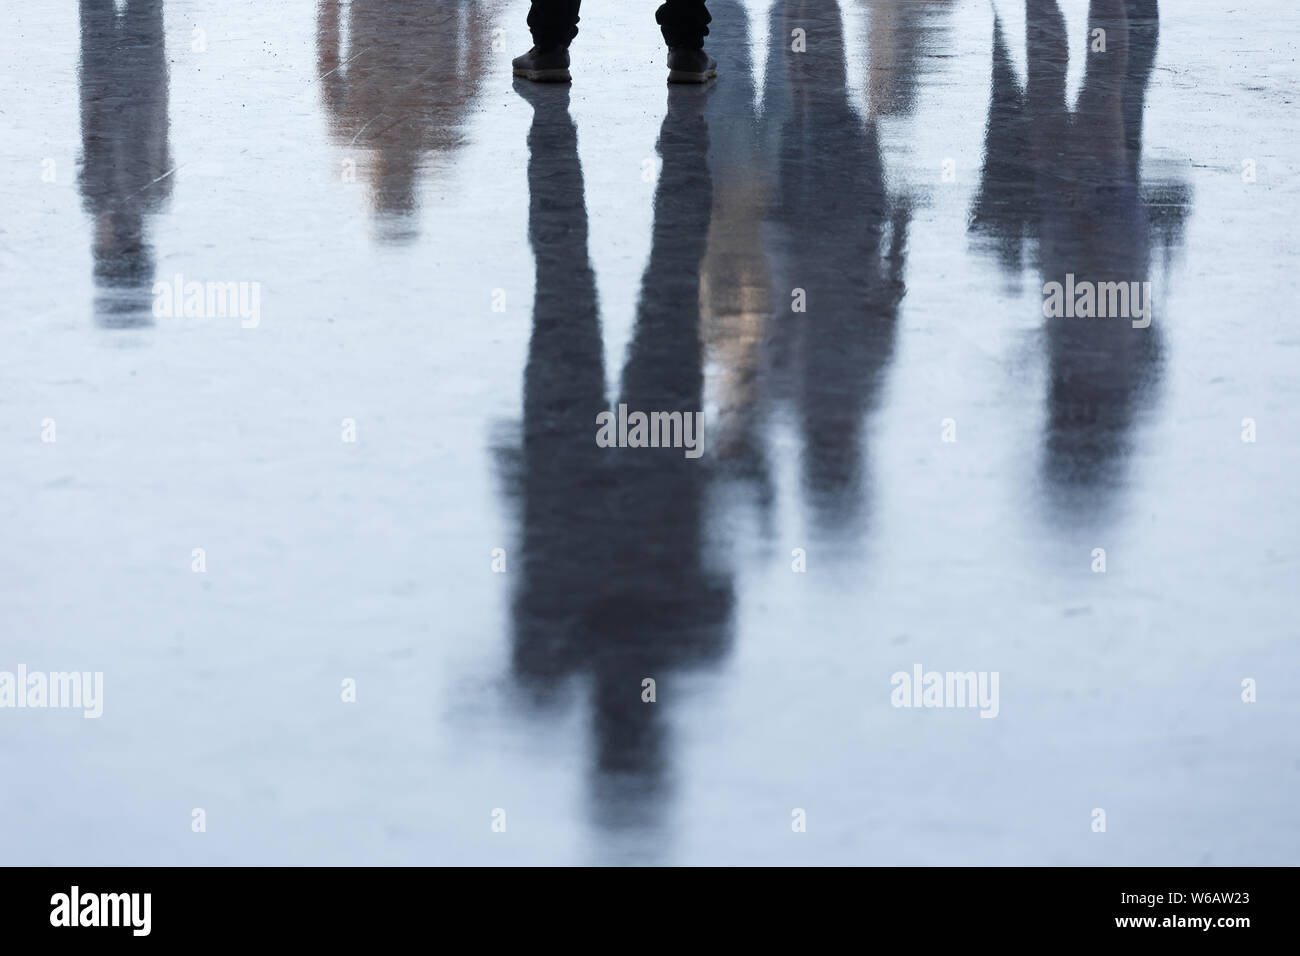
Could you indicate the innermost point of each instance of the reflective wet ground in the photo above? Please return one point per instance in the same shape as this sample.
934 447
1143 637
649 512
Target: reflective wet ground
380 469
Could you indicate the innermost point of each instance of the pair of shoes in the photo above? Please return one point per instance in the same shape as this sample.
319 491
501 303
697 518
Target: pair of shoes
686 65
543 66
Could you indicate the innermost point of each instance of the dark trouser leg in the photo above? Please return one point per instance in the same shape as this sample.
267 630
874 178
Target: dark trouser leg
554 23
683 22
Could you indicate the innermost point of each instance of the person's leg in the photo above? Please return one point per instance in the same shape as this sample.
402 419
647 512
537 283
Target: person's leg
554 24
684 23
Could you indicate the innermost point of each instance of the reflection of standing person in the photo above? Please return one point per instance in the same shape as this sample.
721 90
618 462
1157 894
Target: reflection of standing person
1066 184
837 235
901 39
404 92
554 24
615 583
125 158
735 293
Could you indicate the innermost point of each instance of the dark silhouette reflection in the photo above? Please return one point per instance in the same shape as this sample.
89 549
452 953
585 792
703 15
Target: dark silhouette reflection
126 164
398 79
787 168
1067 185
841 239
614 583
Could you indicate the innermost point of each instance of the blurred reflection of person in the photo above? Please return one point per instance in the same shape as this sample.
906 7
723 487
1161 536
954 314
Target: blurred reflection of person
126 166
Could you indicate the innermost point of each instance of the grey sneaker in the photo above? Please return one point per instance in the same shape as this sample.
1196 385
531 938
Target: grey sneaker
690 66
549 67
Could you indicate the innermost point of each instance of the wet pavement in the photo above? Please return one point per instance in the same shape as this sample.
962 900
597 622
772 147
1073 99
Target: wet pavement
378 464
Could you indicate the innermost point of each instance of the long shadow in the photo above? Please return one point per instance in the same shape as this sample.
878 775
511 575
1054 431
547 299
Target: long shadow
614 584
126 166
398 80
1064 189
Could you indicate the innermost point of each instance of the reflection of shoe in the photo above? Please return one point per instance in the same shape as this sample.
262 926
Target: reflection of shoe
551 66
543 96
690 66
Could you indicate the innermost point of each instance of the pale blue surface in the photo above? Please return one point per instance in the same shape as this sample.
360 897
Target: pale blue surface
328 560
